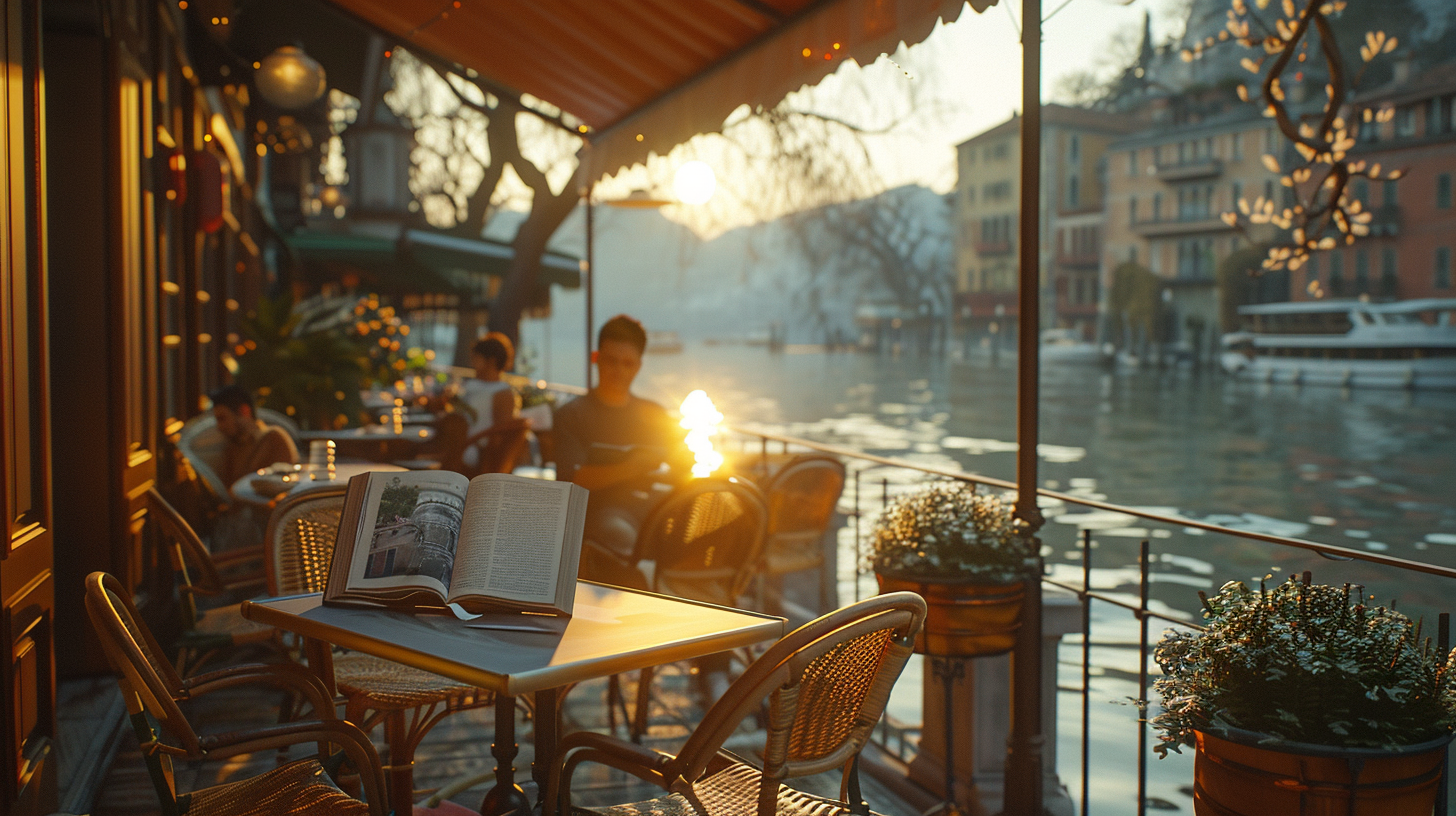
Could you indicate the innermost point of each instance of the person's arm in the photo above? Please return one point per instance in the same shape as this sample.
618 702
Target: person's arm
274 447
504 404
639 462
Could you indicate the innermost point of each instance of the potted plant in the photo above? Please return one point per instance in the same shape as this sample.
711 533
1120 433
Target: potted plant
1305 700
962 552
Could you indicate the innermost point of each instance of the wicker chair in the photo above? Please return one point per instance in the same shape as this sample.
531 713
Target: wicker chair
408 701
704 540
152 690
207 632
826 682
801 501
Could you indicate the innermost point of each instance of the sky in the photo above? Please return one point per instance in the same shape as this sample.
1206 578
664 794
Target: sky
968 71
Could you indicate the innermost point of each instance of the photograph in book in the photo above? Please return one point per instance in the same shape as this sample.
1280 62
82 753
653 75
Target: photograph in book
415 533
422 539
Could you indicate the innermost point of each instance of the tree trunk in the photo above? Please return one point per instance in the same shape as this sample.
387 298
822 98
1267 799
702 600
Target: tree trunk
529 245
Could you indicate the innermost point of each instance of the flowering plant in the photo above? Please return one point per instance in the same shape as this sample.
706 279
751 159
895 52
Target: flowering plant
1306 663
947 530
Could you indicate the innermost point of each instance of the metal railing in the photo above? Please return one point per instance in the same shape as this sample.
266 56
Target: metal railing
864 495
874 479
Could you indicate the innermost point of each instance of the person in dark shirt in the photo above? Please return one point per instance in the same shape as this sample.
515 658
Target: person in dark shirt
617 444
251 444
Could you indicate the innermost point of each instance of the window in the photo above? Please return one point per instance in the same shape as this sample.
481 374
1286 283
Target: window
1132 210
1362 270
1387 193
1269 189
1311 270
1132 163
1132 254
1182 152
1074 149
1236 193
1074 192
1439 115
1443 191
1443 268
1157 206
1337 273
1369 129
1237 146
1405 121
1387 270
1361 191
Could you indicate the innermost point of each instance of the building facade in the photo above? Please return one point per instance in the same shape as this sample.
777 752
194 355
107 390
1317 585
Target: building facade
1409 252
1167 189
1073 180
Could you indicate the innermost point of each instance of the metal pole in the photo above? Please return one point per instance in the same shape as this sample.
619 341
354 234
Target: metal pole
591 276
1023 785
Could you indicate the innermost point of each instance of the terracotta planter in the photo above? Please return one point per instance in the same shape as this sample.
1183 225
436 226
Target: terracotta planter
1234 776
965 619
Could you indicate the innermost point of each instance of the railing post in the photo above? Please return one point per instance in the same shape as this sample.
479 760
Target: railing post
1024 782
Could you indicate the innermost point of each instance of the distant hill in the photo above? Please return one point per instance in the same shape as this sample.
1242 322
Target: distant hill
725 289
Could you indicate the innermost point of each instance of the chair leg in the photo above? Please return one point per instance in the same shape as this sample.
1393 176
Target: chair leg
401 771
644 698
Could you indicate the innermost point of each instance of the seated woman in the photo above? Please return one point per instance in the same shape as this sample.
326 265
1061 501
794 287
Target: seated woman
496 428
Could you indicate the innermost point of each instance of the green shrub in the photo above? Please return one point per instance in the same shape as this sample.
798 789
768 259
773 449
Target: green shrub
947 530
1304 663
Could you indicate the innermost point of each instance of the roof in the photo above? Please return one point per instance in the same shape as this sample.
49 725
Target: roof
1054 115
420 261
647 75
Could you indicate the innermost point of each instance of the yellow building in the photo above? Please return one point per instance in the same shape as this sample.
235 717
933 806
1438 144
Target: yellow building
1073 182
1167 187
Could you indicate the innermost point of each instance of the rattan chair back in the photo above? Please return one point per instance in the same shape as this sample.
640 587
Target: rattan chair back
827 683
705 539
191 560
151 689
801 501
300 540
148 681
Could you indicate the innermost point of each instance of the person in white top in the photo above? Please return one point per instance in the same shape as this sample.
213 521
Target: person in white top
491 398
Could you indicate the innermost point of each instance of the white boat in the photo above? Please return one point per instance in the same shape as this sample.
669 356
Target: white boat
1355 343
1066 346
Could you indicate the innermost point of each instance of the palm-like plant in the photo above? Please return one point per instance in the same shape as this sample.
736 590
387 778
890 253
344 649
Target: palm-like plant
309 373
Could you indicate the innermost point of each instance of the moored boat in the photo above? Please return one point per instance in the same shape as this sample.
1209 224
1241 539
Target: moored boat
1066 346
1354 343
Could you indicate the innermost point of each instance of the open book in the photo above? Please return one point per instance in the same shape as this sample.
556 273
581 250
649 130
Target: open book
422 539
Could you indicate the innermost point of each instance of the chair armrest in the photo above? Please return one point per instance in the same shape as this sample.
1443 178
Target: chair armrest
290 676
346 735
588 746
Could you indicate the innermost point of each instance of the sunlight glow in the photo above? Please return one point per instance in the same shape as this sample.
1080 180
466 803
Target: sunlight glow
701 420
694 182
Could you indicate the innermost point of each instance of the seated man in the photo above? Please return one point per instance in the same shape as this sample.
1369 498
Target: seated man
251 444
493 401
615 443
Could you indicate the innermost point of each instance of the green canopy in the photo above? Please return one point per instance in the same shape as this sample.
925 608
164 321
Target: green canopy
419 261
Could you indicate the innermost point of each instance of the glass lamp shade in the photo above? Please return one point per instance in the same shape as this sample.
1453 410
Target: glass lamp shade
289 78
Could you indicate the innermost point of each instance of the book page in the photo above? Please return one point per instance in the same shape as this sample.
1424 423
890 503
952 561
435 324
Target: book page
409 531
510 545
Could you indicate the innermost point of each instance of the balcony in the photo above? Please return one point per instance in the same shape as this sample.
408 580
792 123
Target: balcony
1182 226
994 247
1190 170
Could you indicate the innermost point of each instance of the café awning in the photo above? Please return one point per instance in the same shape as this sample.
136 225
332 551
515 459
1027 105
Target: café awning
647 75
420 260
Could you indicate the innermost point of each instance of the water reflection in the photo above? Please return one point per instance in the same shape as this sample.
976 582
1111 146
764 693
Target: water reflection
1362 469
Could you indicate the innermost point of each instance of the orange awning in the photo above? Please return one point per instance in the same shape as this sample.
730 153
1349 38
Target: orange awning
647 75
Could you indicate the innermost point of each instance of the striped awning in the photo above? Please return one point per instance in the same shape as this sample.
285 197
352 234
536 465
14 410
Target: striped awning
647 75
